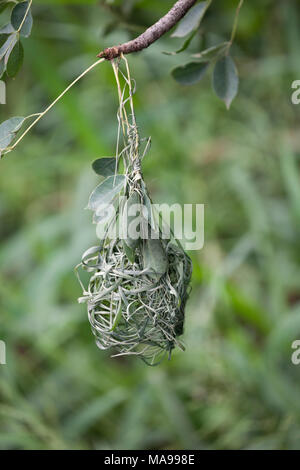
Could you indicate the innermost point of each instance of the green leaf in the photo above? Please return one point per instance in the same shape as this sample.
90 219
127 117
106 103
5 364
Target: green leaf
154 257
3 39
132 215
17 15
190 73
104 215
4 5
8 131
130 253
225 80
150 214
7 29
15 59
104 193
105 166
191 20
148 207
211 52
184 46
8 45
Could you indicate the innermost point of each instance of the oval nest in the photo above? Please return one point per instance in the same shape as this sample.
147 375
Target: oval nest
134 310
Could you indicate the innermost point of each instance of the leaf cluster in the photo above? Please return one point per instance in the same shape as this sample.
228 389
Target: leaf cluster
11 48
225 77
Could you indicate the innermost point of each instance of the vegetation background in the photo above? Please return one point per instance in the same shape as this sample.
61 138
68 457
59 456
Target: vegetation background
235 386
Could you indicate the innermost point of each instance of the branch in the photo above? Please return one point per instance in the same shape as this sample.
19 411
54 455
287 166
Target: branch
151 34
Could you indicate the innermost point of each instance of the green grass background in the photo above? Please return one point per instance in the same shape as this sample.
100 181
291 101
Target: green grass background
235 386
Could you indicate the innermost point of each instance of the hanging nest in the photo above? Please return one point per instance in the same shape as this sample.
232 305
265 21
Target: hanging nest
138 287
133 309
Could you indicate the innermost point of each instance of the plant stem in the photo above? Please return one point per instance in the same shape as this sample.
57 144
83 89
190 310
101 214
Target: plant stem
40 115
235 24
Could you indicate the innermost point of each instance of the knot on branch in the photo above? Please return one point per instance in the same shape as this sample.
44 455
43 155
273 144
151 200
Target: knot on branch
110 53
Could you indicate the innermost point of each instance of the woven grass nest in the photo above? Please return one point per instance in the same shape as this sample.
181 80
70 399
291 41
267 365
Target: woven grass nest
135 310
138 288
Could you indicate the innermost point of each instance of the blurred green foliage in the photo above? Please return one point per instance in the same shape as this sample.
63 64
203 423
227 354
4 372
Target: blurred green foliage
235 386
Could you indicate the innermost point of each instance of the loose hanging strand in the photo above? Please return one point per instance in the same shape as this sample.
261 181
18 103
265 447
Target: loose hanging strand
127 124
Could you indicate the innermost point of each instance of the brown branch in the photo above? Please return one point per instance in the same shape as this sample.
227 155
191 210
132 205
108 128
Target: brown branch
151 34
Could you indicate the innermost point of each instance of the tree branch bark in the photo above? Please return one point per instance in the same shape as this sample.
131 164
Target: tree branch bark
151 34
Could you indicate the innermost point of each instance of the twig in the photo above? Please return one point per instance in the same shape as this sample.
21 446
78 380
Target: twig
151 34
235 23
40 115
